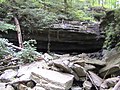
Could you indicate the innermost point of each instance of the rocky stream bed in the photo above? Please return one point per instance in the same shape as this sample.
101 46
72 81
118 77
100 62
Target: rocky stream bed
51 71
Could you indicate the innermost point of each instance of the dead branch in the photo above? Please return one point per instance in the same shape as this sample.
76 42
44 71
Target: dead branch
9 67
16 47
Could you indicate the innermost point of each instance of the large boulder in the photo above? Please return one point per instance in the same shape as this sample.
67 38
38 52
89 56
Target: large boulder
52 80
112 65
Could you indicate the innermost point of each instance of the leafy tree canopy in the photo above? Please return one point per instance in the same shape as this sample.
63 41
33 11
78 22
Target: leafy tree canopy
39 13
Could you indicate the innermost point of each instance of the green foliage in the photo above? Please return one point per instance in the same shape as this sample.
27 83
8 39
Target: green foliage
105 3
80 15
36 14
113 31
1 1
30 14
4 27
37 18
28 54
4 50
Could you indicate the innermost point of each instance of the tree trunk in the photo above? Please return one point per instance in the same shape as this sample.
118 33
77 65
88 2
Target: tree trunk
18 32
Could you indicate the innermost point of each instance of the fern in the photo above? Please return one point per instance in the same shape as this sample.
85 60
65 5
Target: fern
4 50
28 54
4 27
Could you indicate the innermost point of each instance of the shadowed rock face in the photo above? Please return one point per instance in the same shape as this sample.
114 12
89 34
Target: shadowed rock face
71 38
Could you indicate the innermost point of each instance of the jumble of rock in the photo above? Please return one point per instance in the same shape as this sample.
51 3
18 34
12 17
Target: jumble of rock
62 72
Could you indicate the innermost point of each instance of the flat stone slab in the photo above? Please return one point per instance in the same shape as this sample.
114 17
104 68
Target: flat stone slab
25 71
8 87
52 80
8 75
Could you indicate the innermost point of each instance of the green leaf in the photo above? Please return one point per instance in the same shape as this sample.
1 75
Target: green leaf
4 27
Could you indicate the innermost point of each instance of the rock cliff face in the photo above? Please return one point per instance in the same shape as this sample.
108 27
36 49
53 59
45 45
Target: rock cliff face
81 37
